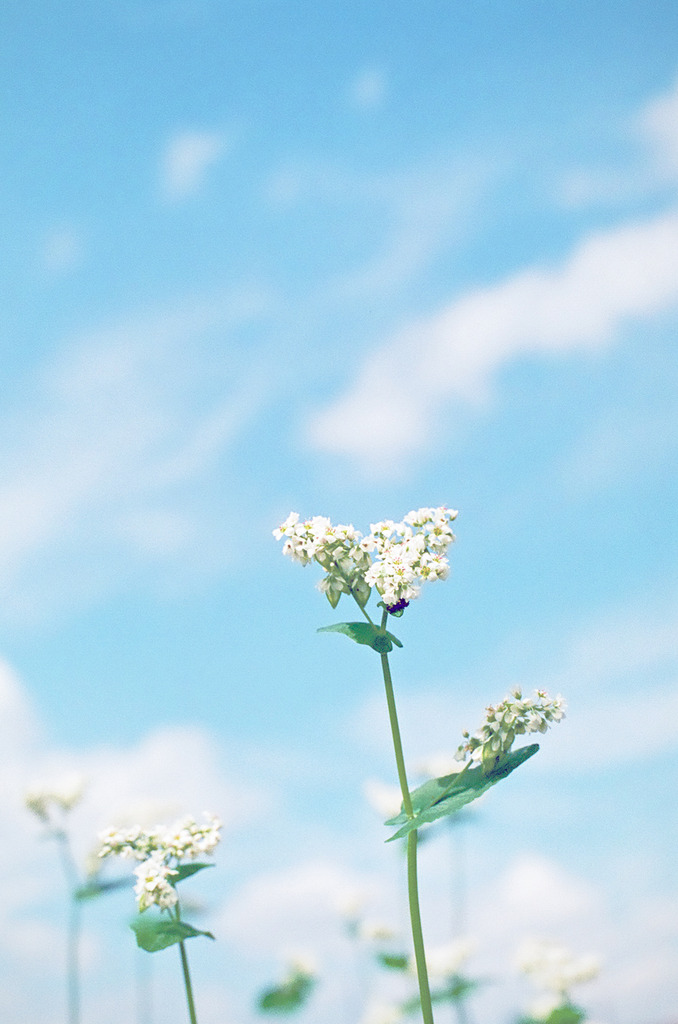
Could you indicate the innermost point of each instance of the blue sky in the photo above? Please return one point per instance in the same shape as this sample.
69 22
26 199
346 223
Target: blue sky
263 256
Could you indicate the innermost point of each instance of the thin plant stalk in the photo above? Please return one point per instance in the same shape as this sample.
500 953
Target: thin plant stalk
187 983
144 993
74 928
412 883
73 962
187 977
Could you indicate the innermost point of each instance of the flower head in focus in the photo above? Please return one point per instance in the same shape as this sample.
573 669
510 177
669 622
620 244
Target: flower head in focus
515 716
394 558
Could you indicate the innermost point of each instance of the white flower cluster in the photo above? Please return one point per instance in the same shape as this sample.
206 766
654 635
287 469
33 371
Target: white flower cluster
554 968
394 558
446 961
515 716
153 886
382 1013
63 794
160 851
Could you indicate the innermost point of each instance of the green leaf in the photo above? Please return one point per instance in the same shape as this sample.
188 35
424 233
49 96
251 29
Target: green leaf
394 961
92 889
186 870
366 633
440 797
457 989
567 1014
155 933
455 992
289 996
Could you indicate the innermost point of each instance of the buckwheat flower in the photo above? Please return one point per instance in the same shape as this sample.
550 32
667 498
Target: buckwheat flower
302 963
553 967
394 558
542 1007
447 960
515 716
63 794
153 886
375 931
409 553
187 839
132 843
350 905
383 1013
160 851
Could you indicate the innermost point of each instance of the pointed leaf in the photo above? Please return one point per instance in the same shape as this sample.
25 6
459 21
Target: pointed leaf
186 870
366 633
394 961
567 1014
92 889
288 996
155 933
441 797
455 992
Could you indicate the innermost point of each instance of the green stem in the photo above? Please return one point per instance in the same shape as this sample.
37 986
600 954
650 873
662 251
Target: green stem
73 962
412 884
73 937
417 933
395 732
187 983
187 975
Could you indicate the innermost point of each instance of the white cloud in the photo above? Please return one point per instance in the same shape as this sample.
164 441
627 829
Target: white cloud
368 89
417 212
658 124
297 907
62 250
186 160
650 162
18 725
536 894
178 768
611 277
114 452
626 443
618 673
294 907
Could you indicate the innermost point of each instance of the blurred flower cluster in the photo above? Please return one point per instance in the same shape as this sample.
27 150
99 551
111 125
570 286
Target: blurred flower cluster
394 558
555 971
63 795
160 851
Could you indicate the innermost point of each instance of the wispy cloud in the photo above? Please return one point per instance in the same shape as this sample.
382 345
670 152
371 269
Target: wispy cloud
610 278
648 160
62 249
618 673
417 210
368 89
187 158
658 125
111 457
169 772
